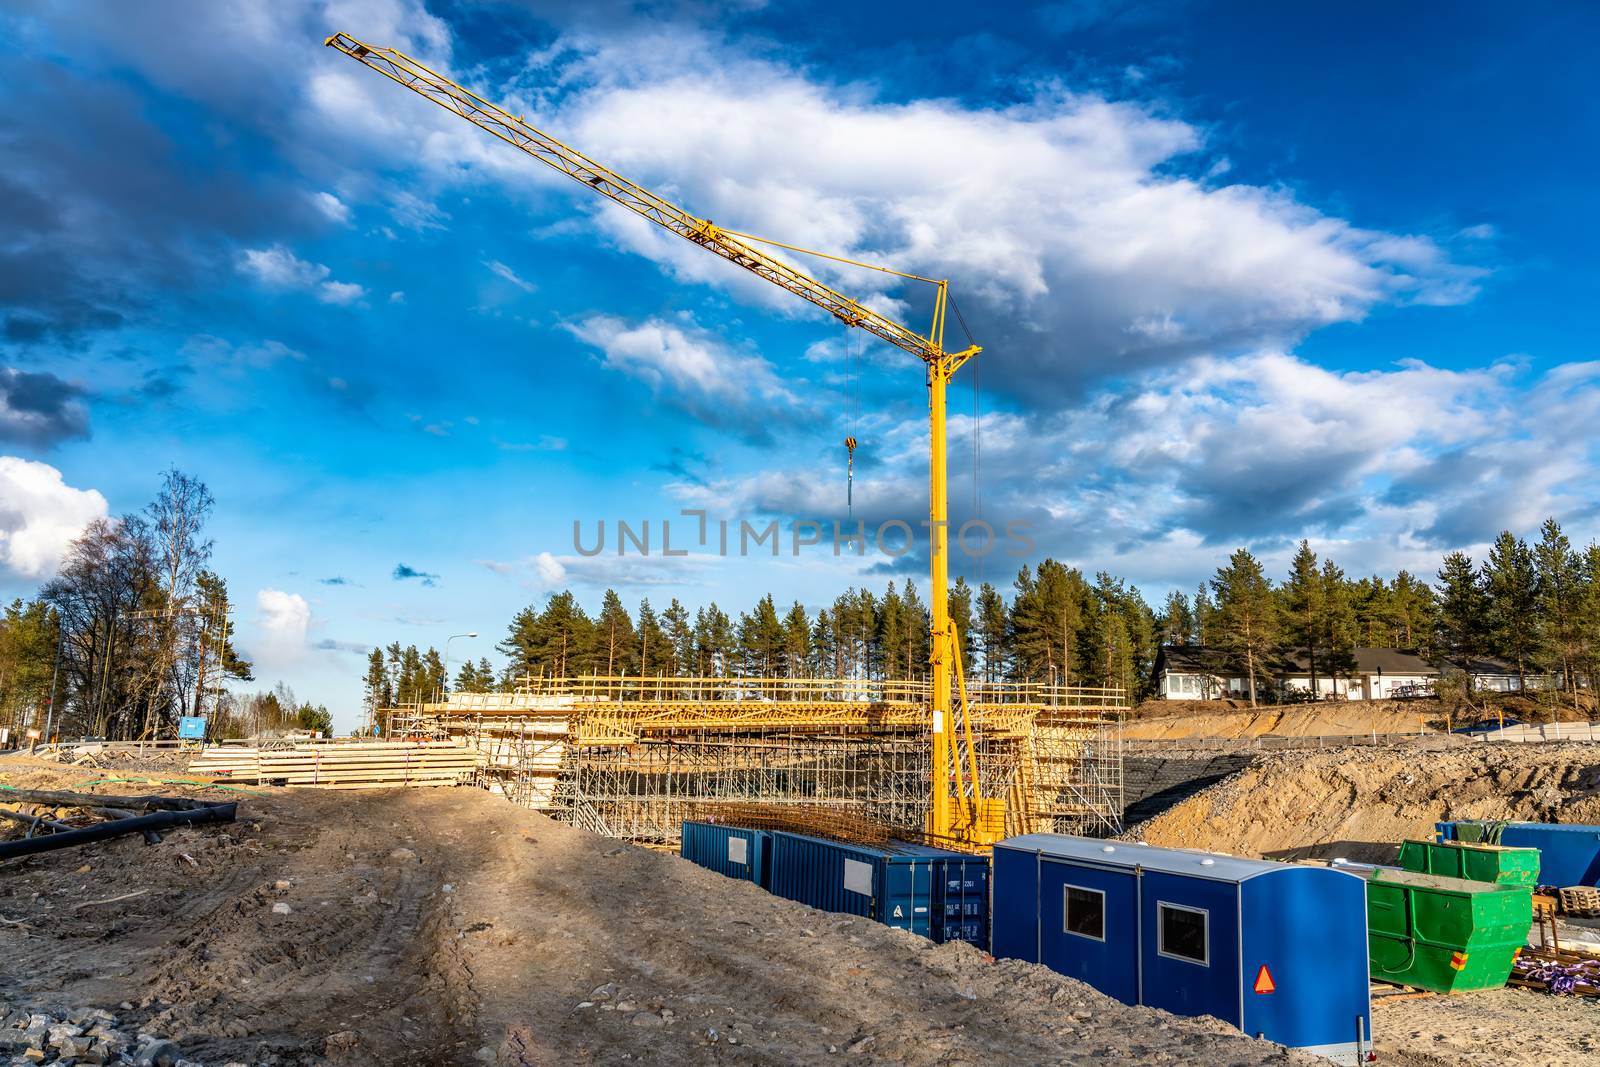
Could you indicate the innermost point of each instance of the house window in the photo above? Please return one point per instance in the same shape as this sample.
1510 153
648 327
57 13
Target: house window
1083 912
1181 933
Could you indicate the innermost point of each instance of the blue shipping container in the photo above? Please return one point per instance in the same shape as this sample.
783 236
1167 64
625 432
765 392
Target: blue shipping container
1569 854
1276 949
731 850
939 894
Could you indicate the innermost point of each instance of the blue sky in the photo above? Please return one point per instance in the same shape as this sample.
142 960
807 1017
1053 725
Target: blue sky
1243 273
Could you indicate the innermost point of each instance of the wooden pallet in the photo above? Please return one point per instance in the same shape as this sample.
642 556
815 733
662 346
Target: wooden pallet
1581 900
342 765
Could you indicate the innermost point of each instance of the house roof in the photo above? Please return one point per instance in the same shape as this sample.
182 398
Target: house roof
1198 659
1367 661
1127 855
1189 659
1486 665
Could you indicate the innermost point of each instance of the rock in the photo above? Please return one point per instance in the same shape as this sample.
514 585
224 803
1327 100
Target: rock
282 885
61 1031
35 1055
627 1005
281 908
158 1053
447 888
402 855
603 992
647 1019
485 1055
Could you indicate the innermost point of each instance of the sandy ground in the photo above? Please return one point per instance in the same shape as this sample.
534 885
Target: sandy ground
1489 1028
1359 802
447 926
1175 720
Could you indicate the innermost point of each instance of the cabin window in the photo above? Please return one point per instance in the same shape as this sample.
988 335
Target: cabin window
1182 933
1083 912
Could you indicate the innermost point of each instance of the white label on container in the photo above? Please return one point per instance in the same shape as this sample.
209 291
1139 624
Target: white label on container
858 877
738 850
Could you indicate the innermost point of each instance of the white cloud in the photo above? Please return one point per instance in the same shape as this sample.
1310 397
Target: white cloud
509 275
284 620
340 293
278 268
40 515
692 369
332 208
1383 468
549 569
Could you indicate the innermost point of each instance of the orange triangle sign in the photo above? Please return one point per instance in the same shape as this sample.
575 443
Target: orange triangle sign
1264 982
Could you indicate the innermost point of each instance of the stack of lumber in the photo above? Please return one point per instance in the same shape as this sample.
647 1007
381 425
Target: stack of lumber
342 764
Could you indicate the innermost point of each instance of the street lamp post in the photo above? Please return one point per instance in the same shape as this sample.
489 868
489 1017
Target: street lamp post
447 641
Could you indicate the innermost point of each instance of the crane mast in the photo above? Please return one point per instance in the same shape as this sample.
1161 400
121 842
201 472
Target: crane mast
957 808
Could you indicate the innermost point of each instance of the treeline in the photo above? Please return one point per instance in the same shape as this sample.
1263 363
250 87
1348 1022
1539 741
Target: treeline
132 632
135 631
1534 607
1537 607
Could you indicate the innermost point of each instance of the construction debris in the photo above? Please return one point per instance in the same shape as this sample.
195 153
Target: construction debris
90 1036
165 813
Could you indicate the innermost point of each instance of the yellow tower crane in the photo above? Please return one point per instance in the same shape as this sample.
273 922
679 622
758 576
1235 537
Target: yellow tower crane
958 810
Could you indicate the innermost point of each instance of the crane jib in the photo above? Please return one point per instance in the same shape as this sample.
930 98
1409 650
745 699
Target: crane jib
958 808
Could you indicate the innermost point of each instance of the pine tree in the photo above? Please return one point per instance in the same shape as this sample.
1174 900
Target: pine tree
1246 614
377 693
994 624
1338 629
1463 610
1304 607
960 611
1511 586
1177 620
615 638
681 636
655 649
796 641
1559 594
1204 617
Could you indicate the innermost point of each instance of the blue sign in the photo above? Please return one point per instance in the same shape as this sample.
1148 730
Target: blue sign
192 728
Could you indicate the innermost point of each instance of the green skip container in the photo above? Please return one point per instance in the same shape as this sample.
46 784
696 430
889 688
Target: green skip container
1476 863
1444 934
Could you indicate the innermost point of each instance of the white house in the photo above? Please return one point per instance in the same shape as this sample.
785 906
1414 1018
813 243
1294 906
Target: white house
1193 672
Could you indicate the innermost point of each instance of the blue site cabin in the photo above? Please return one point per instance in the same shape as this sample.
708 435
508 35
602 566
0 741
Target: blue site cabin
1569 853
934 892
729 850
1276 949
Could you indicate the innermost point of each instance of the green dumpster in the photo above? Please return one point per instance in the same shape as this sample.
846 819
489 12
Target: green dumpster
1444 934
1476 863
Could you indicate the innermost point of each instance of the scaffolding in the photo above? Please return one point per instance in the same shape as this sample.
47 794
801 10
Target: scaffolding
632 758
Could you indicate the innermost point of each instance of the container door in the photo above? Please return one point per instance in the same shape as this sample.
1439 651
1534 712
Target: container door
1189 956
908 895
961 901
1088 927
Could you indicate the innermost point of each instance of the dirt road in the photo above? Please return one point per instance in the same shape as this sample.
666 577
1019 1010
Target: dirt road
447 926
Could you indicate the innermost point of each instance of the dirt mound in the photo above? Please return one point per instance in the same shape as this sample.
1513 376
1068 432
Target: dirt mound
446 926
1359 802
1328 719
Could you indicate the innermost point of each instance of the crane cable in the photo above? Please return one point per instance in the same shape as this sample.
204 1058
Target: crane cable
852 355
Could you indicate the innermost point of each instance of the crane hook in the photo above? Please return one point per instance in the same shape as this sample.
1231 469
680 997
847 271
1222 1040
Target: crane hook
850 476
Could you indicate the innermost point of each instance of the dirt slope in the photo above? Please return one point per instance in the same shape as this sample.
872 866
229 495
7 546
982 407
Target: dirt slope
1359 802
449 927
1330 718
